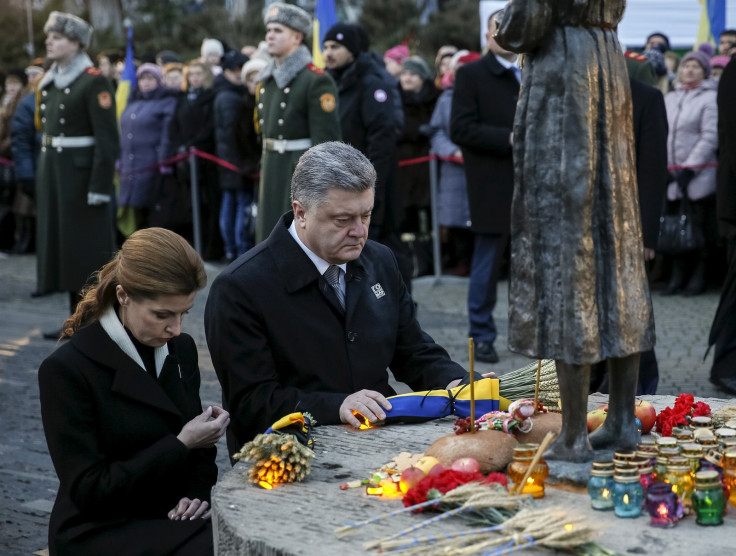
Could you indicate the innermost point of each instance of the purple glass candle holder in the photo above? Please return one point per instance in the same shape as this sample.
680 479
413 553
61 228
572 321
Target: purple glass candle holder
663 505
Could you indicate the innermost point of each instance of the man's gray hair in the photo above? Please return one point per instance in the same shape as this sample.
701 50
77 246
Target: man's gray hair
331 165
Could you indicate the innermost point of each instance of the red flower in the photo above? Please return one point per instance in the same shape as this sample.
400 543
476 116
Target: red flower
669 418
445 482
684 403
701 409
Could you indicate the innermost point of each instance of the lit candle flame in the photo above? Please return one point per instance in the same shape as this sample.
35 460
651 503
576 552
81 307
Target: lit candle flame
626 498
530 481
374 490
568 526
662 510
605 493
365 423
265 484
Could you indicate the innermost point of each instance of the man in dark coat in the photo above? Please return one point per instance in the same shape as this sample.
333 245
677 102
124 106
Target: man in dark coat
483 109
296 107
368 121
76 112
723 330
310 319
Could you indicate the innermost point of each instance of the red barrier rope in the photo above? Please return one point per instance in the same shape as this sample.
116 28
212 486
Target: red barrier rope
6 162
213 158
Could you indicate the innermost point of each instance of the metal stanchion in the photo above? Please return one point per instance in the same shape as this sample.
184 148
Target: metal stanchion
194 180
436 254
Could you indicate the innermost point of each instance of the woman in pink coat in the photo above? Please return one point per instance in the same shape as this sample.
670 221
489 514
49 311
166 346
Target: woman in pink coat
692 115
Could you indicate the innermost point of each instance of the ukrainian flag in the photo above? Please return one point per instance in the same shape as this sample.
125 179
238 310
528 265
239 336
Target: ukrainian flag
325 17
712 21
128 80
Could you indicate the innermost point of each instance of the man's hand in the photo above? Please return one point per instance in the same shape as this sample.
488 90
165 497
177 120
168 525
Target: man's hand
366 402
205 429
190 509
457 381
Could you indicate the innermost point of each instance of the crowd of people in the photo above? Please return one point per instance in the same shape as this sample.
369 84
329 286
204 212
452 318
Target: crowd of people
299 167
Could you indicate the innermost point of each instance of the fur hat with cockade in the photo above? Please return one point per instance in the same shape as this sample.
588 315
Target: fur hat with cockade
289 15
69 25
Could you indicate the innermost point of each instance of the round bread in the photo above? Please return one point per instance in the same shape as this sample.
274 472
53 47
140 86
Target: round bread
493 450
543 423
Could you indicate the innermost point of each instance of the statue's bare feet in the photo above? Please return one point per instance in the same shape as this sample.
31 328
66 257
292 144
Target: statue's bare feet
615 438
576 450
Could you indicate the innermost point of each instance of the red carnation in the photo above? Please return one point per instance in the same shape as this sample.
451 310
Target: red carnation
445 482
701 409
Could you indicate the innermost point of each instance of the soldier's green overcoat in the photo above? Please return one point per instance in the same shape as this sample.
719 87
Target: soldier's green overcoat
75 239
295 101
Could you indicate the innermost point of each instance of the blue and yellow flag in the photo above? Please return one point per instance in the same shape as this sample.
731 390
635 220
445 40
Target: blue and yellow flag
128 80
712 21
325 17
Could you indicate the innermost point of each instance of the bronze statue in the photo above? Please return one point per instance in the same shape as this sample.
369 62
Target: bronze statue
578 290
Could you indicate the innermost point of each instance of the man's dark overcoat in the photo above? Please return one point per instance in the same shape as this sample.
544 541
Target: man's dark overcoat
111 432
483 108
73 238
280 344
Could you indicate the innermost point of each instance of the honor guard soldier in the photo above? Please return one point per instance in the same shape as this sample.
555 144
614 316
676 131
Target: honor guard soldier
75 110
296 107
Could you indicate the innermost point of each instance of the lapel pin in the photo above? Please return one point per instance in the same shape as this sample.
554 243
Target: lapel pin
378 290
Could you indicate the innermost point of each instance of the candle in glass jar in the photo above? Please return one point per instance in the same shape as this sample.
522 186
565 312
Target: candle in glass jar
709 501
663 505
600 489
628 496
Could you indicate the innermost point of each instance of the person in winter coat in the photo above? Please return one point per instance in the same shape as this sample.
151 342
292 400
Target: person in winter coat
237 192
453 211
75 110
193 125
15 82
133 450
692 115
366 103
144 142
26 146
418 95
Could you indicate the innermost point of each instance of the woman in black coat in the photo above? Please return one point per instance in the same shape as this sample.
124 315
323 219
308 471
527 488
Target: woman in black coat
121 410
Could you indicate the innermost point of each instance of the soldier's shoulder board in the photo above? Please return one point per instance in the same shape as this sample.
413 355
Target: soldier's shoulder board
315 69
93 71
635 56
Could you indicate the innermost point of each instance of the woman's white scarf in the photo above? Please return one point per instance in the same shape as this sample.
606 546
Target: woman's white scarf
114 328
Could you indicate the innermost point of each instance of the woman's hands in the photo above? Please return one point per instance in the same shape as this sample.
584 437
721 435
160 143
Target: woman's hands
190 509
205 429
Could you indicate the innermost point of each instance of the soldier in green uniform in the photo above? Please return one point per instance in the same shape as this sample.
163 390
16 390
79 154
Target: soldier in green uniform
296 108
75 110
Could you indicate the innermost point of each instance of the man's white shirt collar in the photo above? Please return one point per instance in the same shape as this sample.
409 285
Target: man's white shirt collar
321 264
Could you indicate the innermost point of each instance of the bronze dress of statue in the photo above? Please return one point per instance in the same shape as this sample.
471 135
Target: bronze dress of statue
578 291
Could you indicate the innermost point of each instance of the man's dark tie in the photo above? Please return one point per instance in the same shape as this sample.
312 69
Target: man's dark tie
332 275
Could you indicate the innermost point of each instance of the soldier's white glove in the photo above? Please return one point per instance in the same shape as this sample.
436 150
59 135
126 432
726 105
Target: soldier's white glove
95 199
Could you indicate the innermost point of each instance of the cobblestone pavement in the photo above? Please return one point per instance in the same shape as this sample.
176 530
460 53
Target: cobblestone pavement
27 479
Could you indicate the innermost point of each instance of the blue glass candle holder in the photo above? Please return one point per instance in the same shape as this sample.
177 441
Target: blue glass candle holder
628 495
600 489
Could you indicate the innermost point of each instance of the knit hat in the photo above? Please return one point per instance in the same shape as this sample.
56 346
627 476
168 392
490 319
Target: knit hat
655 56
151 69
719 61
346 35
233 60
699 56
707 49
254 64
398 53
168 56
211 46
72 27
289 15
659 34
417 66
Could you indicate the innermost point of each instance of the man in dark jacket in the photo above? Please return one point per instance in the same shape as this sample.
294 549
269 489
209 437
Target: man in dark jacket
237 194
310 319
483 109
368 121
76 113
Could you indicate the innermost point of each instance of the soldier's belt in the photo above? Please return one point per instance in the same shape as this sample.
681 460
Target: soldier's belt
283 145
67 142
